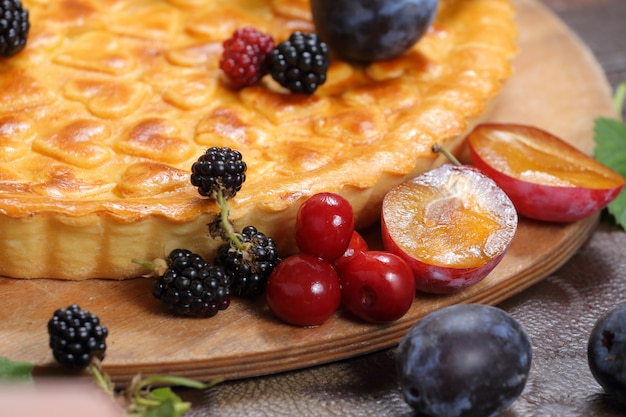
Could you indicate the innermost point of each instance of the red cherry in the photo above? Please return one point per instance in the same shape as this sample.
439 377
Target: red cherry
377 286
303 290
357 244
324 226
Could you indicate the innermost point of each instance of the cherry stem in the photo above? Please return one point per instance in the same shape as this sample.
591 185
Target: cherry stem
222 203
437 148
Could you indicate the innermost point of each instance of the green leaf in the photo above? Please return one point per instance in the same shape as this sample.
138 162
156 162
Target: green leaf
15 370
617 209
164 409
161 402
610 139
163 394
610 149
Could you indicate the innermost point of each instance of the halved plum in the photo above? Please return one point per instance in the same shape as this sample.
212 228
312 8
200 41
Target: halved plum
452 225
546 178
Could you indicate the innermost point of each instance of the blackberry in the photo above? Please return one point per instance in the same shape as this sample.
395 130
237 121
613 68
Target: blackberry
300 63
76 337
219 173
244 60
250 264
192 287
14 27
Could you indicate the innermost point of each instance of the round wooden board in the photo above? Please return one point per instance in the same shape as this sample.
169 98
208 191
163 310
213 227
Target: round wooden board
557 85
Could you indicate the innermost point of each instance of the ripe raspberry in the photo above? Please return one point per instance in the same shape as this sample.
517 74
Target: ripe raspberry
192 287
300 63
14 27
76 337
250 265
245 55
219 170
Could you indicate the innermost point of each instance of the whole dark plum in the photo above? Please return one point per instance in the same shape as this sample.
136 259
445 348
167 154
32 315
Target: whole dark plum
606 352
465 360
372 30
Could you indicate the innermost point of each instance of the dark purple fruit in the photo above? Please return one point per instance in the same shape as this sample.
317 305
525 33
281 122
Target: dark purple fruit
372 30
465 360
606 352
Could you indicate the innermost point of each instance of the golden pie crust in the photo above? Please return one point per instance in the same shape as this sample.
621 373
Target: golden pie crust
103 113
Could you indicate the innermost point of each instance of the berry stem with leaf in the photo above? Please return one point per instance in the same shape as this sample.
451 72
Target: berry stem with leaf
249 256
142 400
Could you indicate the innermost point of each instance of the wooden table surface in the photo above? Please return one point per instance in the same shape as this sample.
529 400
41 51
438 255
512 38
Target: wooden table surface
558 313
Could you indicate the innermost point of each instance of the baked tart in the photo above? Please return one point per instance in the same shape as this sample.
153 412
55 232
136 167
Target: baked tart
111 101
